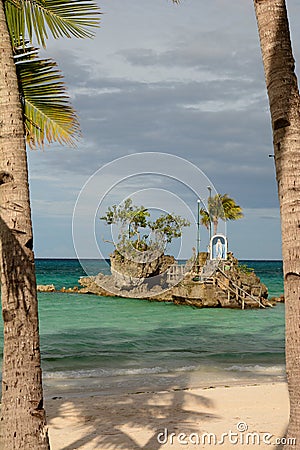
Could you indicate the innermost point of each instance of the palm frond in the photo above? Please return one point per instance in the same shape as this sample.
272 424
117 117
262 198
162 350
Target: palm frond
25 52
205 219
15 2
62 18
232 211
48 115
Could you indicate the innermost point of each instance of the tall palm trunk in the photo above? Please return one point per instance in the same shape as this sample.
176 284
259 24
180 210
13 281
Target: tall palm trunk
216 223
23 416
284 106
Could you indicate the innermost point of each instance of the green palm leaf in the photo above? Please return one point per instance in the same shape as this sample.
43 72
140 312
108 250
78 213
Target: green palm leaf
61 17
205 219
232 211
48 115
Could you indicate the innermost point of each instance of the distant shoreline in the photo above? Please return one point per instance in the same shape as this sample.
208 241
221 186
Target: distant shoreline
107 259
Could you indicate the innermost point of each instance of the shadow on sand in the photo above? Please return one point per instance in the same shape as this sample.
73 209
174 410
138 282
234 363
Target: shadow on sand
180 417
132 421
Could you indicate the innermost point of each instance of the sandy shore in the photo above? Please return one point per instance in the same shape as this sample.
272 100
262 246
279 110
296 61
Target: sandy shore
134 421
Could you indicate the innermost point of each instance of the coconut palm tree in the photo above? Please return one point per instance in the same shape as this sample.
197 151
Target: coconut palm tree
284 100
23 113
220 207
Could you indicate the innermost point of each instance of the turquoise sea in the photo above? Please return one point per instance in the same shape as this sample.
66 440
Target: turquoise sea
96 344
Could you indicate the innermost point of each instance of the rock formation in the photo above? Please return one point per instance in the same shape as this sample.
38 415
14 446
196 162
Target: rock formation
45 288
211 284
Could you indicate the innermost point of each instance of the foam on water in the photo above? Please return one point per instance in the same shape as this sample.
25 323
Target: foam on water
271 370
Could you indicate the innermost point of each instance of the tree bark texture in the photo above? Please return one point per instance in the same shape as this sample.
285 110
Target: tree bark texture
284 103
23 425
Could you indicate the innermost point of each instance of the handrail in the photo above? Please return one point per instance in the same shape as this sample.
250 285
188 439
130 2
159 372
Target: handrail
241 289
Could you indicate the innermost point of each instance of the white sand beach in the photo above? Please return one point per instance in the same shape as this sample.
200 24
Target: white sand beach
248 416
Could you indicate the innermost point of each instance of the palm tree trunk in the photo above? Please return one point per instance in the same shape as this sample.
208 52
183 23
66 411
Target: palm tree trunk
215 222
23 416
284 107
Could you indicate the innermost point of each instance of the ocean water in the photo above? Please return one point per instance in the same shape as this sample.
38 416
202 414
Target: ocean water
100 344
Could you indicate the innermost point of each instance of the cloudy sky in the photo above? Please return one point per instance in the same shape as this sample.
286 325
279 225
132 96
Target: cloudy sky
181 80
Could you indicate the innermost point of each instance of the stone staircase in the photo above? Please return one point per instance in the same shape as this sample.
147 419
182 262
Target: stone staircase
236 292
227 290
208 270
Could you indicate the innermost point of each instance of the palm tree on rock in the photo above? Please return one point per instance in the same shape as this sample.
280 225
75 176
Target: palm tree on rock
220 207
33 105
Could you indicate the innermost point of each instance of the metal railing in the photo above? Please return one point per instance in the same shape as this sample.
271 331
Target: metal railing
240 293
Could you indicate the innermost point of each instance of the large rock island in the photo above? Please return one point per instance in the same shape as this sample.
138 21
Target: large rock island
201 283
